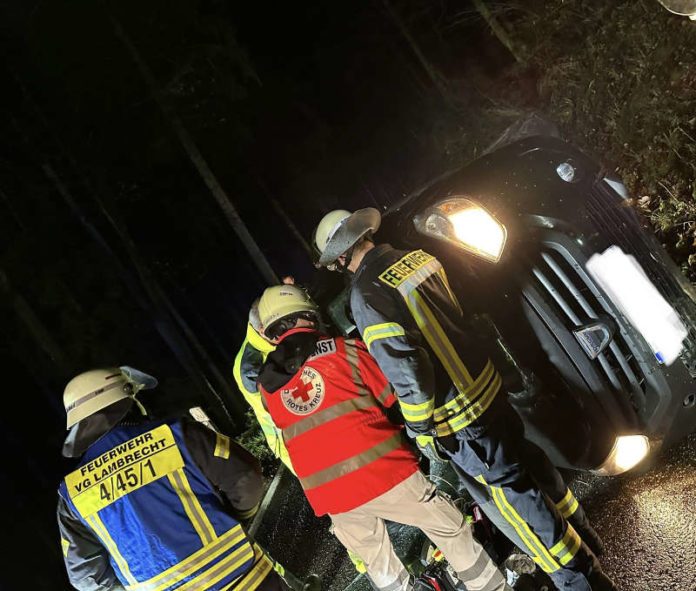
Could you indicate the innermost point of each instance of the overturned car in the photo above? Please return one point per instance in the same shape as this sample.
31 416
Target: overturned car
594 323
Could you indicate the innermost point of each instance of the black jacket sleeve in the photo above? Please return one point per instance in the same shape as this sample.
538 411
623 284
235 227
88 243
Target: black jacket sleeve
86 560
228 466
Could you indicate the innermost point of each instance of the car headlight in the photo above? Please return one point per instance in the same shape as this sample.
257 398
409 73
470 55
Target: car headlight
465 224
628 452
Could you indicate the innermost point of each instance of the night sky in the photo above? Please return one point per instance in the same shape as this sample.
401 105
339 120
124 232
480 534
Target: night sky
109 239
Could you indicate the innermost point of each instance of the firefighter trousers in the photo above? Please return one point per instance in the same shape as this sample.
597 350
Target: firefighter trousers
495 455
416 502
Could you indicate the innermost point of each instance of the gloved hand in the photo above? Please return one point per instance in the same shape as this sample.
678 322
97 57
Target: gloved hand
428 447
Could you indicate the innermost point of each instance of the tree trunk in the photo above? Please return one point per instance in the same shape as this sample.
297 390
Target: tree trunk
498 30
198 160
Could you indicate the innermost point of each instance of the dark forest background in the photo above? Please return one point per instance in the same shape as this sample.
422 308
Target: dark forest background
140 138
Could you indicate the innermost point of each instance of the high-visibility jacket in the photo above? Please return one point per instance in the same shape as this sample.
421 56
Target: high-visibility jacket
247 366
413 325
139 492
331 411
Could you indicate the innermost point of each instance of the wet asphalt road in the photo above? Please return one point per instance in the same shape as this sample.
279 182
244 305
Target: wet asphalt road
647 520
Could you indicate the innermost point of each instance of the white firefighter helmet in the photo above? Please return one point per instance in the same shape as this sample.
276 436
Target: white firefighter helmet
339 230
281 301
94 390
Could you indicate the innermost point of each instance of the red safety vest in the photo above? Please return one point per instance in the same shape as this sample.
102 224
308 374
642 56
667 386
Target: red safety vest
331 413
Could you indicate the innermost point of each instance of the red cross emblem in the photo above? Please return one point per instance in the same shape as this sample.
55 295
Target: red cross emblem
304 392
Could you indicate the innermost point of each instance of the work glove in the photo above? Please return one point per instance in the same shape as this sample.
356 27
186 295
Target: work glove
428 447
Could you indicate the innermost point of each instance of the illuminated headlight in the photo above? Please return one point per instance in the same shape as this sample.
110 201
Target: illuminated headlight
465 224
628 451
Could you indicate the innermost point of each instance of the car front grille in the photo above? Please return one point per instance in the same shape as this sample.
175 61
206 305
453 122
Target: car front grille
561 277
615 220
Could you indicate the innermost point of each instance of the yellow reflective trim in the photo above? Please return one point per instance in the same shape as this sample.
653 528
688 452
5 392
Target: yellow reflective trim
465 398
249 512
472 413
222 446
257 574
219 570
568 504
111 546
65 545
194 562
568 547
417 412
193 508
385 330
541 550
413 301
441 344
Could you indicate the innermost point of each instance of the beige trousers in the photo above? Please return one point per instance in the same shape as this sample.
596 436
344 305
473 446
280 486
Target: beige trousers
417 502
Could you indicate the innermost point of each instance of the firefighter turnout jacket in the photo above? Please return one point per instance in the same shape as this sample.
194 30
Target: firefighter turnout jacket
142 512
330 400
247 366
412 324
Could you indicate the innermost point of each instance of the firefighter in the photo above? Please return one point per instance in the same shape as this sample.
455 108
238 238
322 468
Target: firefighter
142 509
450 394
247 365
331 402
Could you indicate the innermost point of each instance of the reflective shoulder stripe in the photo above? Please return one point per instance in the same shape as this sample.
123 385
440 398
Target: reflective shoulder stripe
464 399
385 330
65 545
194 562
417 412
96 523
195 512
568 547
222 446
568 504
352 358
419 276
353 463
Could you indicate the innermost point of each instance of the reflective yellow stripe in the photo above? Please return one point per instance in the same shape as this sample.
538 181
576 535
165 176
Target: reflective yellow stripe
110 545
222 446
438 341
193 508
530 538
568 504
382 331
249 512
568 547
257 574
219 570
65 545
469 415
353 463
464 399
417 412
197 560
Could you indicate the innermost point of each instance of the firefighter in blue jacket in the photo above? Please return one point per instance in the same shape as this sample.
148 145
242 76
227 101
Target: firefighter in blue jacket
451 395
145 508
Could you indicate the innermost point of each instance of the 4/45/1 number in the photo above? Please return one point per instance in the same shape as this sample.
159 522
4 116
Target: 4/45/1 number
123 482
